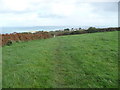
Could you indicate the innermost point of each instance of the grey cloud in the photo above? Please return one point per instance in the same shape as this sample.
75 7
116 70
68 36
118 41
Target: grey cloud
4 11
14 12
105 6
50 16
102 6
105 9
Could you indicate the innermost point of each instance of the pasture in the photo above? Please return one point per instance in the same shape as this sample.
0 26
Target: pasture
72 61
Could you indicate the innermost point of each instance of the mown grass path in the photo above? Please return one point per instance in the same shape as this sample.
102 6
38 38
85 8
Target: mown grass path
75 61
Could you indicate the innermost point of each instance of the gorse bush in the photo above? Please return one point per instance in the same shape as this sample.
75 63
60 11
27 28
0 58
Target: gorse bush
8 39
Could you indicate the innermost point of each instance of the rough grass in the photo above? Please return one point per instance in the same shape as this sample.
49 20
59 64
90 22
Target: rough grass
0 68
74 61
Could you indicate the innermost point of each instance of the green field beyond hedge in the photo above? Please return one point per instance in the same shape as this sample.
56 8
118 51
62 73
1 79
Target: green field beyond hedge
73 61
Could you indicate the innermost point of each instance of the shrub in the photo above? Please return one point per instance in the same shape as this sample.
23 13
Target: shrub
8 39
92 29
9 42
67 29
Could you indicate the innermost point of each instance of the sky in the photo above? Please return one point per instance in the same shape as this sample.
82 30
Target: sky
58 13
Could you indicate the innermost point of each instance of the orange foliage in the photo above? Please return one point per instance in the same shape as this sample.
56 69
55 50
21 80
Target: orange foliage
16 37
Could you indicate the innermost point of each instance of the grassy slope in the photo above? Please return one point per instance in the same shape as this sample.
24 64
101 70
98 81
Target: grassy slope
87 60
0 68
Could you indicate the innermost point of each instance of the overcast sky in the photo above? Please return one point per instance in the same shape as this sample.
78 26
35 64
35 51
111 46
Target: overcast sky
58 13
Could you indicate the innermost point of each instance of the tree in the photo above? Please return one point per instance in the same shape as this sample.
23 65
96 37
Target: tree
79 28
92 29
67 29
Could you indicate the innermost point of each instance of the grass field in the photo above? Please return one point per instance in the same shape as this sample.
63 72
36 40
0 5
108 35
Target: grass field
73 61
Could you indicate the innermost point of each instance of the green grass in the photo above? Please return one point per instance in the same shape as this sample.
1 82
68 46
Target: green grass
0 68
73 61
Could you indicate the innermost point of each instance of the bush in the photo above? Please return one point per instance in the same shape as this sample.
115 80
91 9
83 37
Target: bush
9 42
67 29
92 29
